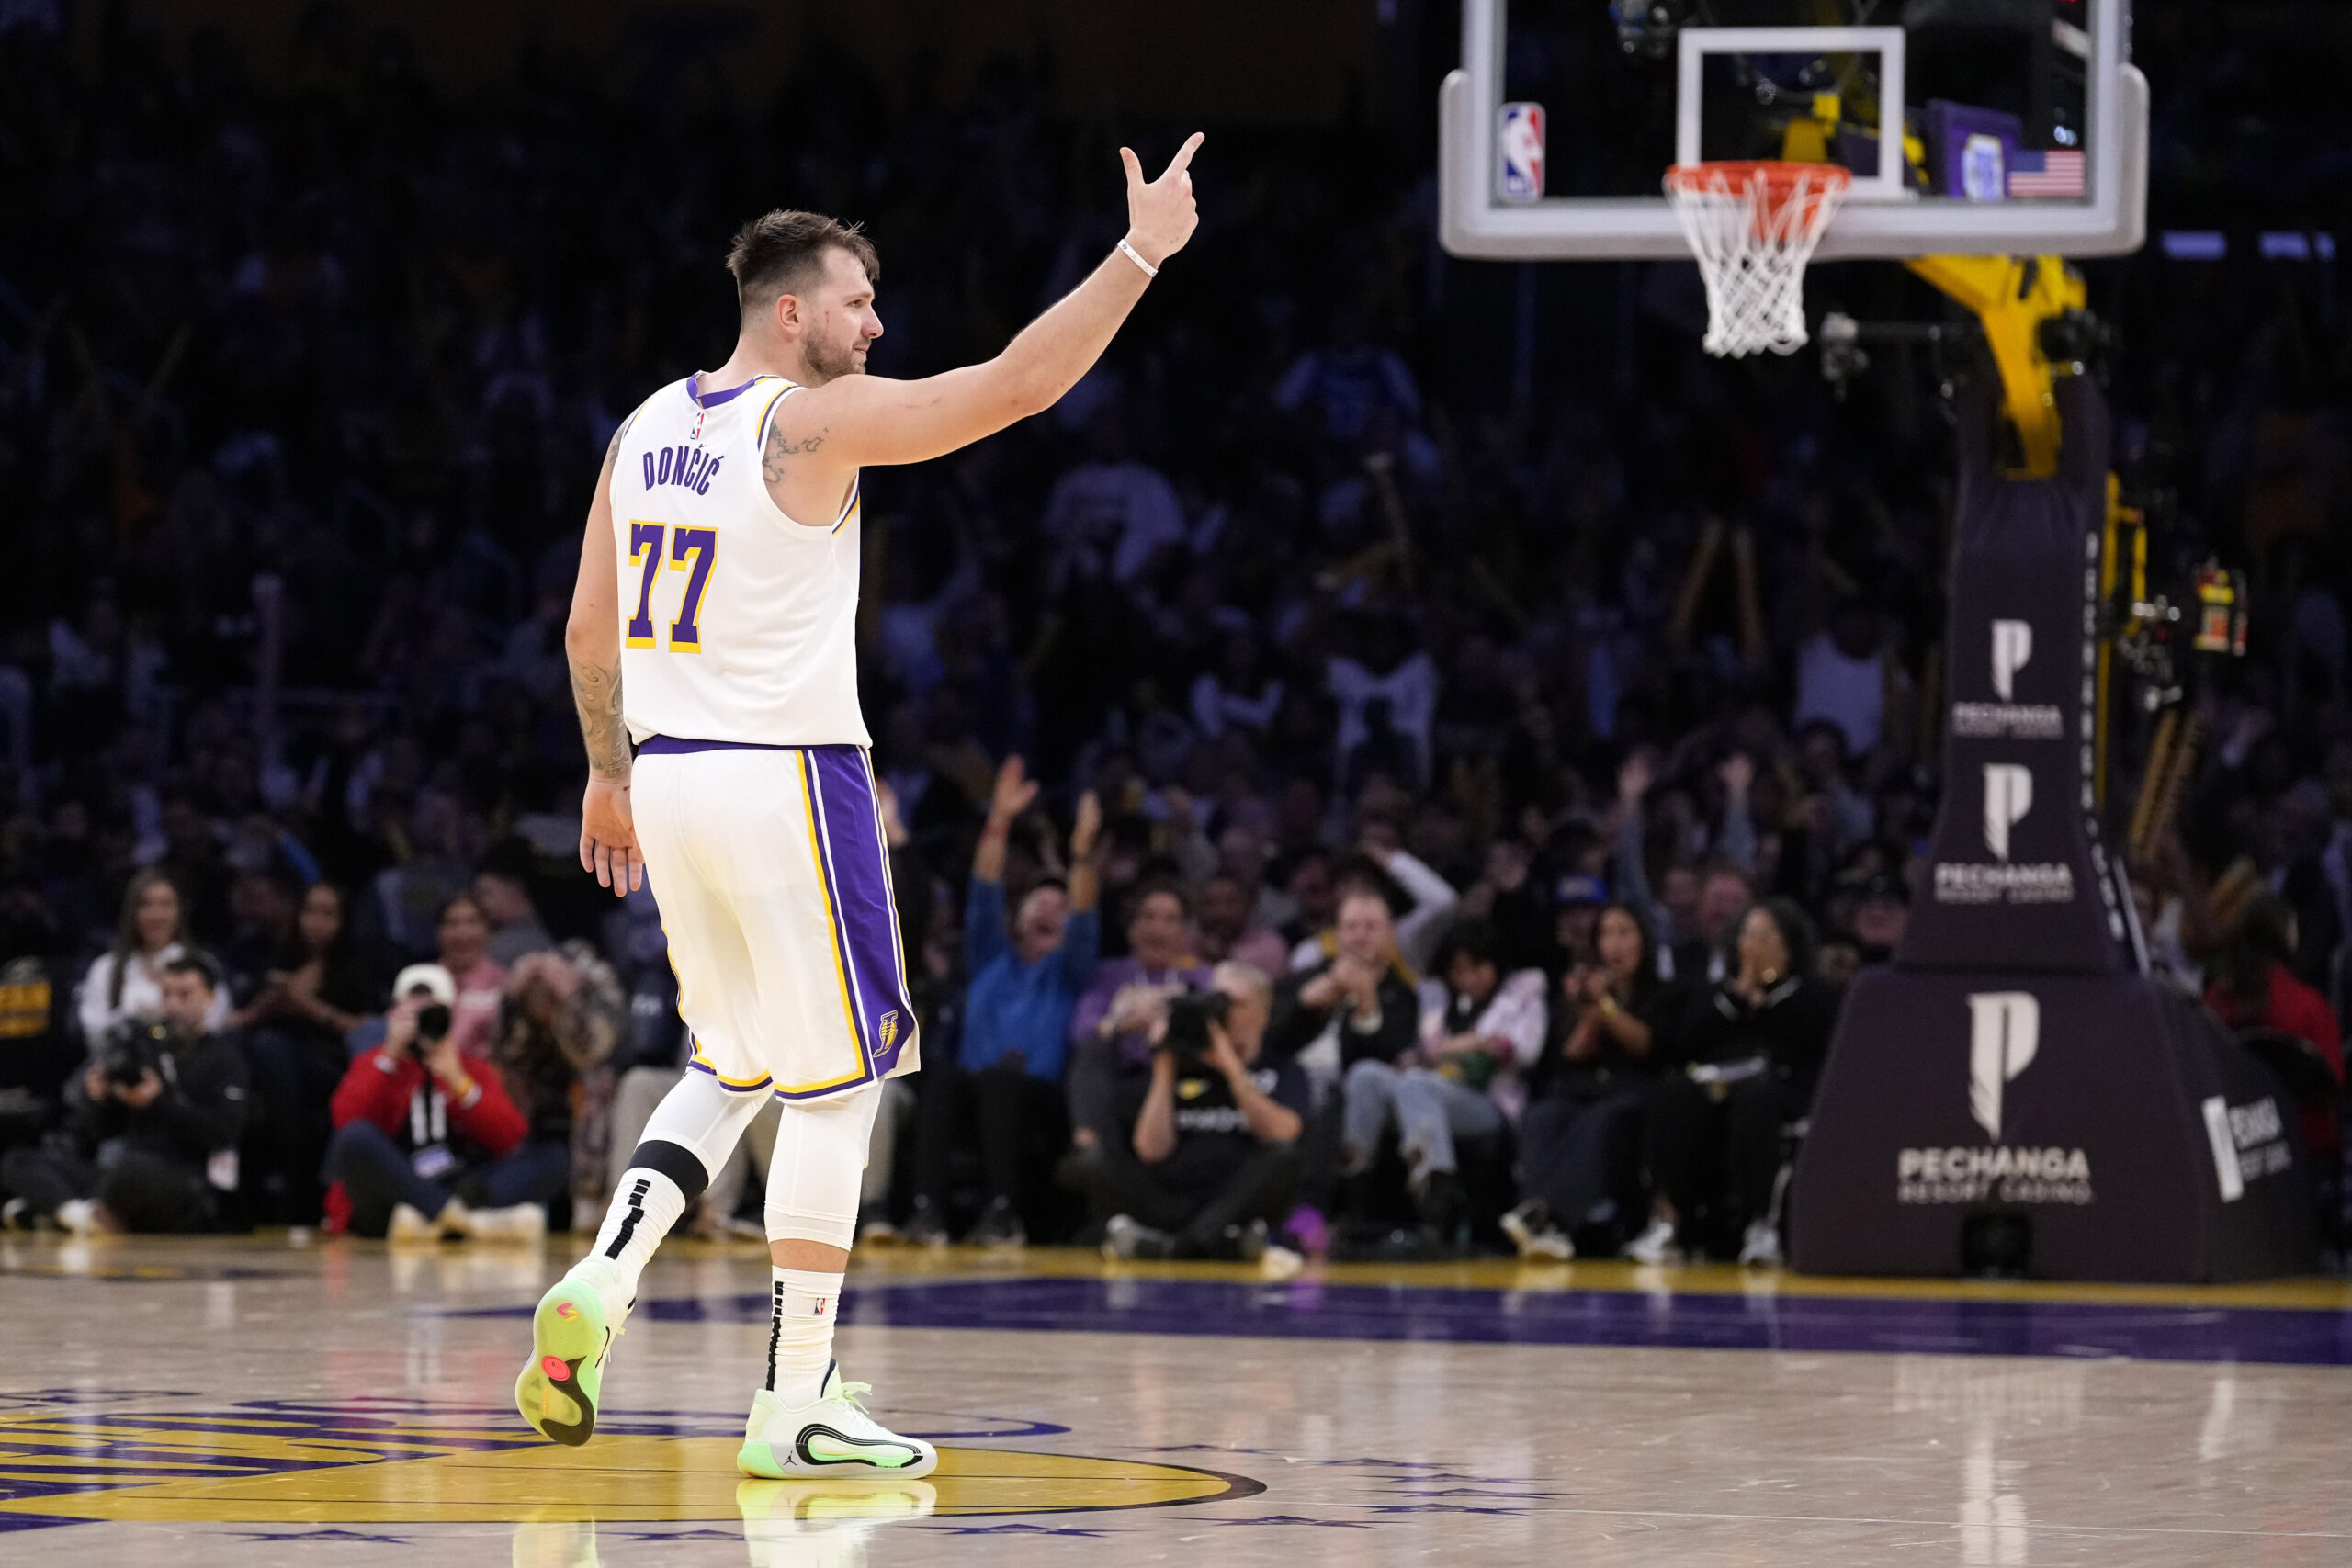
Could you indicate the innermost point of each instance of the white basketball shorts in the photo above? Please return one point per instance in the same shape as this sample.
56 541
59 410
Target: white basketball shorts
774 880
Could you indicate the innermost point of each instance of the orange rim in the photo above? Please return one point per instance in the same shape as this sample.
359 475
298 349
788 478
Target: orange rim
1781 179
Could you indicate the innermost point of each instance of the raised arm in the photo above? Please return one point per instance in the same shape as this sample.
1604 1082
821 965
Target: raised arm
855 421
592 643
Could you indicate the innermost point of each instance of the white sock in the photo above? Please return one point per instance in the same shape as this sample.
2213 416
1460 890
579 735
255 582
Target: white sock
800 1333
644 1206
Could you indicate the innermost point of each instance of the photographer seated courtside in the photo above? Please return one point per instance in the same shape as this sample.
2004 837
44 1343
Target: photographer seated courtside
150 1143
1213 1159
427 1144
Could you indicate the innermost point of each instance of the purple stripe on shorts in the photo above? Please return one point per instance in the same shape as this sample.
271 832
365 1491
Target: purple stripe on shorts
851 821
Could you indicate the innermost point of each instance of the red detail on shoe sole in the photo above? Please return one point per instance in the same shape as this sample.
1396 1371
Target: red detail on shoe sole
555 1367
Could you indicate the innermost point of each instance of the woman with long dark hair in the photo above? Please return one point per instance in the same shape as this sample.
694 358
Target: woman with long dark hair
320 988
1749 1055
1580 1139
127 980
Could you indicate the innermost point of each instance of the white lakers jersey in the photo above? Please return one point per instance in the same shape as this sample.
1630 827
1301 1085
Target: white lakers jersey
738 622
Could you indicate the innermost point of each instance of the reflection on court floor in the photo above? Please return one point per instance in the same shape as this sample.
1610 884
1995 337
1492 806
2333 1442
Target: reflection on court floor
254 1404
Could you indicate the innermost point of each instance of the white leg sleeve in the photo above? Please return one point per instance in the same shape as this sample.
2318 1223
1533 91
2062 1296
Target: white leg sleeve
818 1167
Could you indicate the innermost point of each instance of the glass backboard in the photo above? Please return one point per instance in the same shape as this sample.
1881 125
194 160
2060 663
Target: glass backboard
1969 126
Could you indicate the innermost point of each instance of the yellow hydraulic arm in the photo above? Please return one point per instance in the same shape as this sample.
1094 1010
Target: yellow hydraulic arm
2013 296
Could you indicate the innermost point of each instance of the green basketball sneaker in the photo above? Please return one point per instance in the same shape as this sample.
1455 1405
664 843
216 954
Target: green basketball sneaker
834 1435
571 1334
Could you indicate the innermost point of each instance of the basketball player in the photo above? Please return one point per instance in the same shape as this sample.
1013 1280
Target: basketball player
712 643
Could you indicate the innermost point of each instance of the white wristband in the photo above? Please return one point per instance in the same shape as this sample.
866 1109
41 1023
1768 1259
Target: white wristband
1136 256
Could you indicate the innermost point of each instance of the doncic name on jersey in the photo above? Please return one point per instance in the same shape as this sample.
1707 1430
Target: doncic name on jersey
693 467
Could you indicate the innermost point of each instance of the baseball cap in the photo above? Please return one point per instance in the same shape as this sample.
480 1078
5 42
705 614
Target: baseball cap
1579 889
430 977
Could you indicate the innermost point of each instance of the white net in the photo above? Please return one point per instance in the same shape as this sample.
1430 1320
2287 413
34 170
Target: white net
1753 226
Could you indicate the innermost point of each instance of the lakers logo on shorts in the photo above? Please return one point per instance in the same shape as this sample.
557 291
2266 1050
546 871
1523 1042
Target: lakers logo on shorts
885 1035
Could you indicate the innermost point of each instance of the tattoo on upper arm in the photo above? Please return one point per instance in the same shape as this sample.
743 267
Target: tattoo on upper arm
779 448
597 693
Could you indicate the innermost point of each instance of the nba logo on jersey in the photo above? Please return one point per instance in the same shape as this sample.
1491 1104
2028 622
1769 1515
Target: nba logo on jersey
1520 143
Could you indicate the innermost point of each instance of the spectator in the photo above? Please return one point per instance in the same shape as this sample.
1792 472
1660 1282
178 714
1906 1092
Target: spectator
40 1044
1226 928
1213 1159
431 873
1840 817
1706 956
1110 1049
1355 1005
1344 390
1007 1071
427 1146
1579 1141
1239 691
1110 516
126 982
1750 1052
1313 896
155 1127
462 932
261 922
505 900
559 1024
1428 904
1578 900
2254 987
1508 898
1842 677
316 990
1482 1033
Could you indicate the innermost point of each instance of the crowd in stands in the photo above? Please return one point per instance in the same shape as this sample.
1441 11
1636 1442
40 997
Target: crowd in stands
1363 776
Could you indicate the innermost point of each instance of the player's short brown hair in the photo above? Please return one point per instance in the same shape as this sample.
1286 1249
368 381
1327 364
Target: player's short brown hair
777 253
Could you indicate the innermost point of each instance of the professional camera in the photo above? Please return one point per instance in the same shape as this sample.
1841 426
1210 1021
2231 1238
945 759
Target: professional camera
134 1049
1189 1016
432 1025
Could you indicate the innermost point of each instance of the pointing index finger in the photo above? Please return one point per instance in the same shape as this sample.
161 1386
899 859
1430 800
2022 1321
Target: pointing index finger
1177 165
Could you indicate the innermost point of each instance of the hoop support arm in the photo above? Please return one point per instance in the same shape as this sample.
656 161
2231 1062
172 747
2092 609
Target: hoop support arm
2012 296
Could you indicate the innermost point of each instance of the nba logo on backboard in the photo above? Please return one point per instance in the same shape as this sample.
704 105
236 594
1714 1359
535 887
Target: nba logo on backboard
1521 175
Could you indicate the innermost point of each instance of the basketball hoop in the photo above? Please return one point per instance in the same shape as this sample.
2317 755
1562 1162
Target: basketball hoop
1752 225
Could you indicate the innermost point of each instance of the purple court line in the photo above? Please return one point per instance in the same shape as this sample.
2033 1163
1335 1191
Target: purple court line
1459 1314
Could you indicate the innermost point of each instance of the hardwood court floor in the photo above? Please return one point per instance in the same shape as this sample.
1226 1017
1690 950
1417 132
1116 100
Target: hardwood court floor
258 1403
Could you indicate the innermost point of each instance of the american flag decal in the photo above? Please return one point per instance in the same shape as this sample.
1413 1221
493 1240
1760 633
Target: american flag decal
2052 174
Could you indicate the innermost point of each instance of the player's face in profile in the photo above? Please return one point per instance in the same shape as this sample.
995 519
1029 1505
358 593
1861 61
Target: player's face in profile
841 321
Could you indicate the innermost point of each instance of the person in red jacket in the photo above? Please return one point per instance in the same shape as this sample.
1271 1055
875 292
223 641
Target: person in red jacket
2252 987
427 1144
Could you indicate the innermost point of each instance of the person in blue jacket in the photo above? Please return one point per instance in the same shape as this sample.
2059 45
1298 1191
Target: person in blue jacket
1027 972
